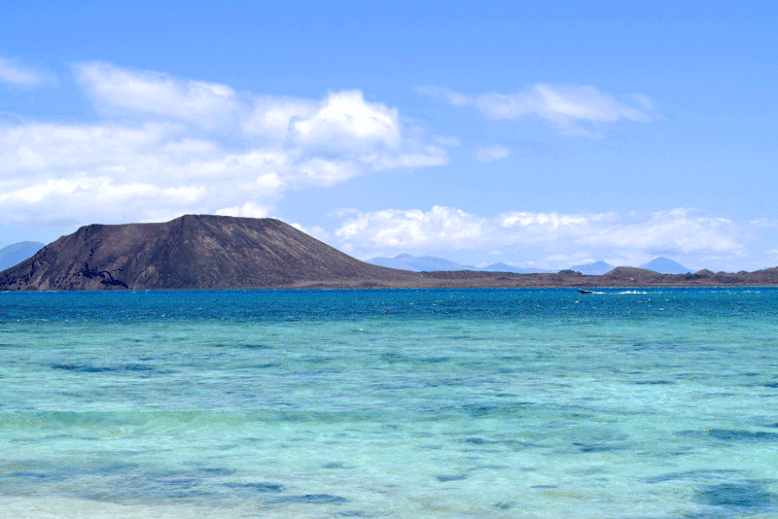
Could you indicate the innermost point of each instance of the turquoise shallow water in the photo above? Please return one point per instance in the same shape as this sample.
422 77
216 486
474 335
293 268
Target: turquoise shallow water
649 403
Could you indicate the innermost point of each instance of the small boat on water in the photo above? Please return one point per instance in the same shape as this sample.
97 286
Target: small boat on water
582 291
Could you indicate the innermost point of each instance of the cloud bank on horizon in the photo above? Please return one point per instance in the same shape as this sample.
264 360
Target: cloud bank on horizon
562 237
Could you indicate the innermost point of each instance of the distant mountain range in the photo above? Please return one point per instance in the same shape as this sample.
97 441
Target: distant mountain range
433 264
597 268
15 253
665 266
660 265
416 264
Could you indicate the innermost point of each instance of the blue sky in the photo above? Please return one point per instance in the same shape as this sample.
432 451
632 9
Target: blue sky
536 134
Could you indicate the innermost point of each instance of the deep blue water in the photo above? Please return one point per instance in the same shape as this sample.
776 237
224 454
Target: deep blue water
647 403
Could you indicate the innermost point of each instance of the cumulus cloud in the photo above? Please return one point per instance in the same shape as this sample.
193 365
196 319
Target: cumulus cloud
565 107
193 146
441 227
492 153
247 210
12 71
677 232
344 118
341 120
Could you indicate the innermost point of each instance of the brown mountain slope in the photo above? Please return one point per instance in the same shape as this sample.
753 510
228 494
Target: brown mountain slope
193 251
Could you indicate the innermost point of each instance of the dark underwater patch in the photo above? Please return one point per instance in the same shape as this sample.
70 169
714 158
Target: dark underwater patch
733 435
82 368
316 499
746 496
445 479
434 360
42 472
91 368
505 505
740 435
33 476
477 410
258 487
595 447
136 367
392 357
255 347
692 474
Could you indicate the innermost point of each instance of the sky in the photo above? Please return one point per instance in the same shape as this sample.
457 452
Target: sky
538 134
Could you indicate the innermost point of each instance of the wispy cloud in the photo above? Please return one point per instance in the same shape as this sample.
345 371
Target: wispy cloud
492 153
14 72
566 107
676 232
114 88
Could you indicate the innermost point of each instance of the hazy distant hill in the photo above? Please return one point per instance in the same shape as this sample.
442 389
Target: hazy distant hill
502 267
433 264
418 264
665 266
597 268
15 253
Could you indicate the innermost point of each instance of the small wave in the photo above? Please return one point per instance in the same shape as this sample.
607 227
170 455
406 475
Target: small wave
637 292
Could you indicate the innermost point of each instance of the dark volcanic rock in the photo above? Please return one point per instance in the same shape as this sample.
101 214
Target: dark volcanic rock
192 252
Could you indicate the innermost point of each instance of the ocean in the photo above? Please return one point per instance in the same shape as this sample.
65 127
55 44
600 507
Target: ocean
516 403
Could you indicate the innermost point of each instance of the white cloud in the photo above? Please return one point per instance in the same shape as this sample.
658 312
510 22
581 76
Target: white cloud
13 72
557 235
247 210
346 119
342 119
317 232
566 107
208 104
426 157
272 117
764 222
441 227
194 146
492 153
